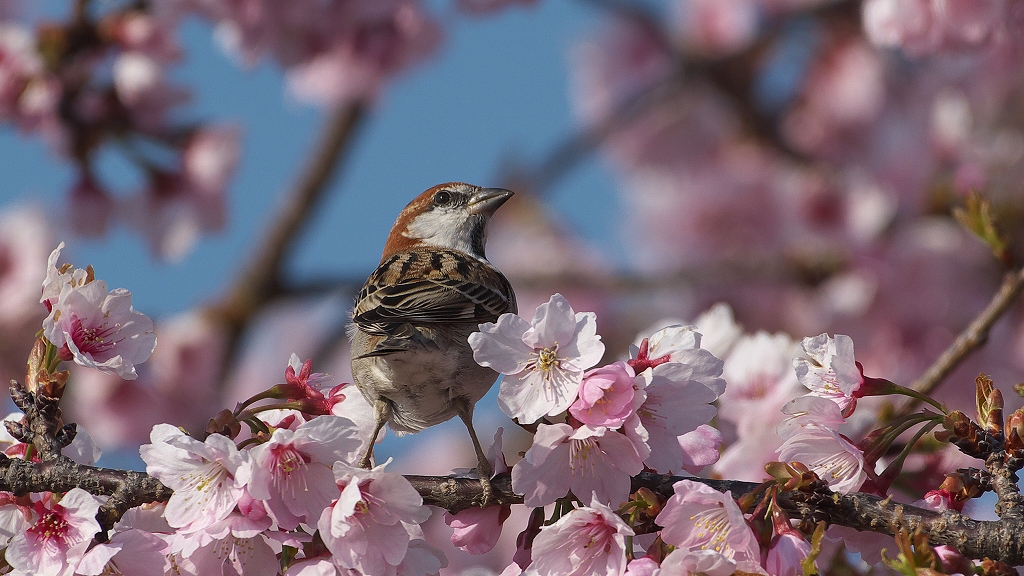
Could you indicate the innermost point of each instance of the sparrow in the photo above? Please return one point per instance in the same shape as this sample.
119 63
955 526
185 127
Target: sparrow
411 357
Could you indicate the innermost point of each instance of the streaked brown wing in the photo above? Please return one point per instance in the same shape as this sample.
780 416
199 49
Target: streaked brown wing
426 286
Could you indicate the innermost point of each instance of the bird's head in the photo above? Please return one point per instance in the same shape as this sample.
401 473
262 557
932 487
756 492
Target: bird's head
452 215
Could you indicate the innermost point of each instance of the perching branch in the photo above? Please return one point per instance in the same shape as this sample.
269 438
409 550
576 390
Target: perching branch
126 488
998 540
970 339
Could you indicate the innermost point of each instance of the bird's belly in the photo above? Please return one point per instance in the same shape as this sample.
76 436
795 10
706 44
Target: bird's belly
421 385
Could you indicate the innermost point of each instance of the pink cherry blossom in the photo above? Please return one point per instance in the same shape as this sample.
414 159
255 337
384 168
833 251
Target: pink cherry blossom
665 345
717 27
586 460
19 62
587 541
208 477
100 329
644 566
364 528
16 515
701 447
787 553
24 239
476 530
675 399
59 535
233 546
543 360
362 58
130 551
90 208
829 370
831 456
698 517
718 329
759 371
180 204
810 410
684 562
60 277
292 471
605 396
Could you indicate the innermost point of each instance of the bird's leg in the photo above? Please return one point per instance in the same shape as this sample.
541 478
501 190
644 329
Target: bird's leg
381 414
483 467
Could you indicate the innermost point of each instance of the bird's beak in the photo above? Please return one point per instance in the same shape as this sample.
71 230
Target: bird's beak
487 200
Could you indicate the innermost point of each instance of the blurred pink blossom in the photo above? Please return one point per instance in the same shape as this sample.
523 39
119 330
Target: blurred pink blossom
717 27
25 238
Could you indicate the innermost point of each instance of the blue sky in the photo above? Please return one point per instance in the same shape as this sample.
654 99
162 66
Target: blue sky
498 89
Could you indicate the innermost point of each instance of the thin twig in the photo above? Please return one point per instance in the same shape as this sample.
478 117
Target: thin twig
260 280
970 339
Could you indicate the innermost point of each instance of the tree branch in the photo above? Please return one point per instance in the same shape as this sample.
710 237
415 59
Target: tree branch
969 340
998 540
260 280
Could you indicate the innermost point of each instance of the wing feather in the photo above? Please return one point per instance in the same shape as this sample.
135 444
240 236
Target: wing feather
431 286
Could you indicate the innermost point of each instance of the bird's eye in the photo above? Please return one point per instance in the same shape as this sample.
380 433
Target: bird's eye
442 198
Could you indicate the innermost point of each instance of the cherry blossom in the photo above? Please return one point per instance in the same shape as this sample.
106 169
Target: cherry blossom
234 545
59 278
701 448
698 517
208 477
829 370
130 551
585 460
683 562
605 396
365 527
587 540
810 410
16 514
59 535
665 345
718 329
829 455
293 470
24 239
100 329
543 360
676 399
786 554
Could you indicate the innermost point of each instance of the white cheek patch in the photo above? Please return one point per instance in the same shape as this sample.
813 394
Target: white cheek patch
441 228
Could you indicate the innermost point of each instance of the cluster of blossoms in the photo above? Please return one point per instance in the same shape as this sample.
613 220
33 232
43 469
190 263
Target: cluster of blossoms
101 81
96 81
286 498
